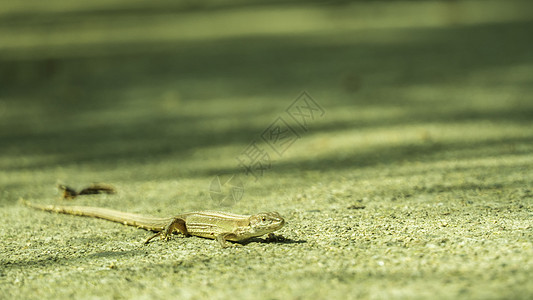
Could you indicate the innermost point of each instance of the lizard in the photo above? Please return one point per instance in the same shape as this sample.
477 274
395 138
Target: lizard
221 226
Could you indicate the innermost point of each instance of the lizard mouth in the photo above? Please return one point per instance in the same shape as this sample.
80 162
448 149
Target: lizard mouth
279 221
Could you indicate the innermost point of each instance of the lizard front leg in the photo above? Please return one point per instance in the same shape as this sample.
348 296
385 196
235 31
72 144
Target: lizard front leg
176 224
222 239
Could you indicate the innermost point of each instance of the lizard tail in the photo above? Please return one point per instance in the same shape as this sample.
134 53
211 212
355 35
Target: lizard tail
149 223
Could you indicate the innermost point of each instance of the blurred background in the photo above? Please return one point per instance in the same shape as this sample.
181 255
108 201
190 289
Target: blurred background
130 92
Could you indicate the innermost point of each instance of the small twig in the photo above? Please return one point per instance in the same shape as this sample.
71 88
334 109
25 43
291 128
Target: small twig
95 188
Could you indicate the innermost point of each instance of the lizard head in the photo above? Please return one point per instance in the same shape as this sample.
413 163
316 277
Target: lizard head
264 223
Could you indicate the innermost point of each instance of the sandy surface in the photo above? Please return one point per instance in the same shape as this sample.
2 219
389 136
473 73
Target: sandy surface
415 182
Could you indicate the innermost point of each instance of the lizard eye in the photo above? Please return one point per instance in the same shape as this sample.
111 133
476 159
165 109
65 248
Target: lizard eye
263 219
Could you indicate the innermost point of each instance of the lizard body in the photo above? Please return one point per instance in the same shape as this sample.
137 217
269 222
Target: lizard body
217 225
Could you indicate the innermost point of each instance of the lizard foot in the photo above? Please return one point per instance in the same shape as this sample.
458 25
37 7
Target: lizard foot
176 224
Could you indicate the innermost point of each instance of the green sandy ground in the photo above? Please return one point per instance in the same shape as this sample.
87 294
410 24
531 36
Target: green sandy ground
416 182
